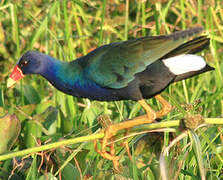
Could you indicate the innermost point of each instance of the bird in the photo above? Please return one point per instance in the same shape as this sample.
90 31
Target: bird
135 69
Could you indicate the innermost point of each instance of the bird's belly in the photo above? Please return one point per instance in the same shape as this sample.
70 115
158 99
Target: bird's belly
94 92
91 91
154 79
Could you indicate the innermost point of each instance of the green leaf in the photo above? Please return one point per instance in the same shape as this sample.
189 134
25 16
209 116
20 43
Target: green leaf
197 152
9 131
49 119
24 112
32 173
32 132
91 113
49 176
1 97
31 94
70 172
66 124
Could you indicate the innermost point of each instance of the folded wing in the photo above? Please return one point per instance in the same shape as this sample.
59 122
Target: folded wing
114 65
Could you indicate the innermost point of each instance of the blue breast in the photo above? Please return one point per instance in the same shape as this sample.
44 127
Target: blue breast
78 86
89 89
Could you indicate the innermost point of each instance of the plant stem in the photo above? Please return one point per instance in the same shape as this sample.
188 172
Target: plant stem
100 135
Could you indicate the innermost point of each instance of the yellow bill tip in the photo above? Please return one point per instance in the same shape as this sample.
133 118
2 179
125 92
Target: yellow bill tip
10 82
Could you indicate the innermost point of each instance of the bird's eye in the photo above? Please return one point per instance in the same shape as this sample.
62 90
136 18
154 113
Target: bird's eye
24 63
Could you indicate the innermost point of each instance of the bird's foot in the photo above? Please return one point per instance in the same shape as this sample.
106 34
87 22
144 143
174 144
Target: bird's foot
166 107
110 130
125 144
108 141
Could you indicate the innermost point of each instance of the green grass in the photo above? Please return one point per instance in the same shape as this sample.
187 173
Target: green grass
69 29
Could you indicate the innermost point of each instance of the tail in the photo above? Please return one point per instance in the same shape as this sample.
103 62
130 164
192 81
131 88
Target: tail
193 73
191 47
186 33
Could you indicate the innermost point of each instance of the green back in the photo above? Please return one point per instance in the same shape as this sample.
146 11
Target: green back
114 65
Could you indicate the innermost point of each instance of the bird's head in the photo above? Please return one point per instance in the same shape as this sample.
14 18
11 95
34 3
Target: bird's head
29 63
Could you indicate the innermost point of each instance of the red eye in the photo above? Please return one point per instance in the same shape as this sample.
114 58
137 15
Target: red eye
24 63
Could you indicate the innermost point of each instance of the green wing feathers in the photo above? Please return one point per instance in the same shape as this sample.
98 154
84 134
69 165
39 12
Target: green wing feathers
190 47
115 65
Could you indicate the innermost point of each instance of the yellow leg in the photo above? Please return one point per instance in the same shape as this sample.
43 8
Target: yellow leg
109 154
112 129
125 144
166 107
151 114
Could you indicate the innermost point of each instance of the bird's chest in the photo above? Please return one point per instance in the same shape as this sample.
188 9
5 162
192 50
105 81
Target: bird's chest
79 86
86 89
90 90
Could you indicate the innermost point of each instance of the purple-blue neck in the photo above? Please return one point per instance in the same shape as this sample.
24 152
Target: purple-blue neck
69 78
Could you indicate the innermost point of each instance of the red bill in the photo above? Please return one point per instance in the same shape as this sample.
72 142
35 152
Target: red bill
15 76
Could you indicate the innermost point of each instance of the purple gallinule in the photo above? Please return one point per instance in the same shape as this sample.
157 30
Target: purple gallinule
136 69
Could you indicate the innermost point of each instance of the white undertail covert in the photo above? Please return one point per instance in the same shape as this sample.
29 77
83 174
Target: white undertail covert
184 63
